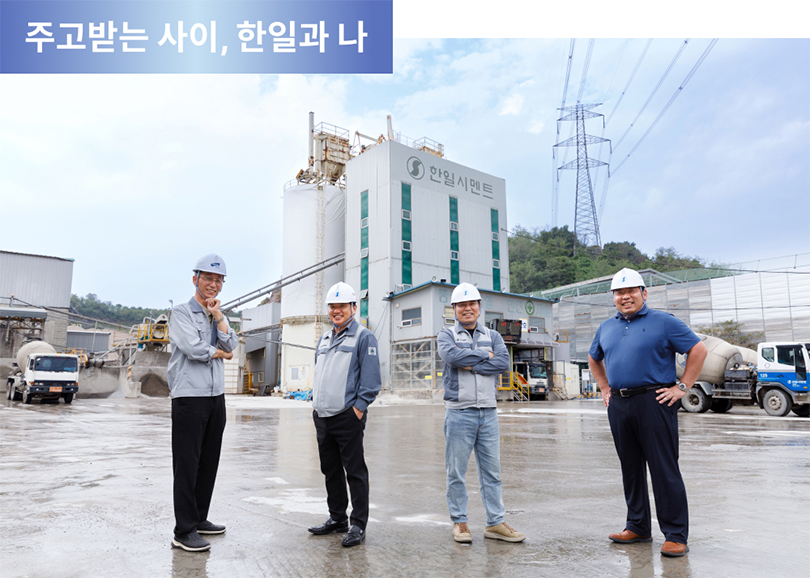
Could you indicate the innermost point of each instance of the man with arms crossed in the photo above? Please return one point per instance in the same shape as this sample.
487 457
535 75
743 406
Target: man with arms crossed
632 356
201 339
347 380
473 357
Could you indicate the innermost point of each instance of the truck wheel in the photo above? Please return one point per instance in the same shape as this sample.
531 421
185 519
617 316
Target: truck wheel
696 401
802 410
29 397
721 405
68 397
775 402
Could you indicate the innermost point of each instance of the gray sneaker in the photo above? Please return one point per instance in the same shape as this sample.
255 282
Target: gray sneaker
210 528
191 542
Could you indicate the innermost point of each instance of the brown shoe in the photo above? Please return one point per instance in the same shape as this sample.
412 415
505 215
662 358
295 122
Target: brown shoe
461 533
674 549
628 537
503 532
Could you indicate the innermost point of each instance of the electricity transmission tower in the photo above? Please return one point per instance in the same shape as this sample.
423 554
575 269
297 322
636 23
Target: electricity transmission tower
586 224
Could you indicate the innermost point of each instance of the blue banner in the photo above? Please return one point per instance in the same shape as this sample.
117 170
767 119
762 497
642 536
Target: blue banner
258 36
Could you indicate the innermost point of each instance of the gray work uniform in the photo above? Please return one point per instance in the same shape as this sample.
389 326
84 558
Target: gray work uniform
197 385
195 339
347 376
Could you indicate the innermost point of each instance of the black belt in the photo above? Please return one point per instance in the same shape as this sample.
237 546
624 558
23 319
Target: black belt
631 391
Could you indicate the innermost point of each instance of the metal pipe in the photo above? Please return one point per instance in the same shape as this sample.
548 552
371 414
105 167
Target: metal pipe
311 270
311 138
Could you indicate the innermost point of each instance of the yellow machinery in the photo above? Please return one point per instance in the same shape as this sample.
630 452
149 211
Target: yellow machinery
515 383
80 353
154 331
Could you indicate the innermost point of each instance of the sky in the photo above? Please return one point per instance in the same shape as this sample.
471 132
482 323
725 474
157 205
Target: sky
136 176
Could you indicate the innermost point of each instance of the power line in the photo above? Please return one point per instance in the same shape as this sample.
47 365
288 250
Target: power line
671 100
555 176
633 74
657 86
585 67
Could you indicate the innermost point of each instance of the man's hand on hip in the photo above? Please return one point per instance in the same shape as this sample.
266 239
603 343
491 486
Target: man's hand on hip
358 413
605 395
669 394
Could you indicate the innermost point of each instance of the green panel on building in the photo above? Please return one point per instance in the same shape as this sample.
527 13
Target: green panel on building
364 308
454 209
364 204
496 250
454 272
364 238
494 214
406 197
363 273
406 230
454 240
407 268
496 279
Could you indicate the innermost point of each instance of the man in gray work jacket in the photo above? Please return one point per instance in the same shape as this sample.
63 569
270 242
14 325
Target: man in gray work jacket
473 357
201 339
347 379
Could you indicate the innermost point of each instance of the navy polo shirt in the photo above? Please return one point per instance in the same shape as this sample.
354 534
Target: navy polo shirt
640 351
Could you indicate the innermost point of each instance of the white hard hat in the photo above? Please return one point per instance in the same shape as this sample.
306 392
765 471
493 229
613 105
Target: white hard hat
465 292
211 264
341 293
627 278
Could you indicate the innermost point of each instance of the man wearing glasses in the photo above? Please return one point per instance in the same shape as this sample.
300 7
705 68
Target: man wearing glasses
201 340
347 380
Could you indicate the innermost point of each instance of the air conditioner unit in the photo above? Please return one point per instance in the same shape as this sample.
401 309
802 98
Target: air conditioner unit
534 330
449 321
406 323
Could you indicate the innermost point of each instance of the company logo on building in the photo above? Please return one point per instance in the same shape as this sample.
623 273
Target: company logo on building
416 168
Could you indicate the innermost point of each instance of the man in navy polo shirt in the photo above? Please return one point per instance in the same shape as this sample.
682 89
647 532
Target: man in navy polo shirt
632 355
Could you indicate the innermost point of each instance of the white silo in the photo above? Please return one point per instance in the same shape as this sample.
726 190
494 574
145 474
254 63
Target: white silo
314 230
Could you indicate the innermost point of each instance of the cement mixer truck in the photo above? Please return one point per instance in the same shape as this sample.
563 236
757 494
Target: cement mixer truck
774 377
43 373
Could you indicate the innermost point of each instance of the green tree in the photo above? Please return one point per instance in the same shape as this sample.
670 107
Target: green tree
545 259
91 306
733 332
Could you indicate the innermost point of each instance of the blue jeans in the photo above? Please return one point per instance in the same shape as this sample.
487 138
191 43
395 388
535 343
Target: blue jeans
466 430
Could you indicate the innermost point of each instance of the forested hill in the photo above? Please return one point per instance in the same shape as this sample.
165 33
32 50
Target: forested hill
90 306
541 260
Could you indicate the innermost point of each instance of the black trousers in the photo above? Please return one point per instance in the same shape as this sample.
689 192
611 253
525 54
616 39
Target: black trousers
645 433
197 426
340 446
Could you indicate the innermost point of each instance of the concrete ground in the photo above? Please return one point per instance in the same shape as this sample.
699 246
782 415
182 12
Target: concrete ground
85 490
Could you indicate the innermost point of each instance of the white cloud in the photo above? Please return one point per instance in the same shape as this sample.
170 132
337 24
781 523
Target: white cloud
512 104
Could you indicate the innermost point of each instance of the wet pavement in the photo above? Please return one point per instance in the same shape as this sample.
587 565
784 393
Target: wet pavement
85 490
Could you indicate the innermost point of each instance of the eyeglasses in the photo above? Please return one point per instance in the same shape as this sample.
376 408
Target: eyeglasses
209 279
